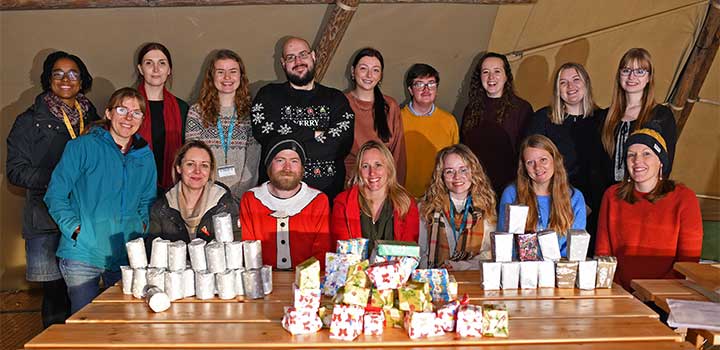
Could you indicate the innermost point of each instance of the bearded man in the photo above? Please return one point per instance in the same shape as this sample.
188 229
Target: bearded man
318 116
290 218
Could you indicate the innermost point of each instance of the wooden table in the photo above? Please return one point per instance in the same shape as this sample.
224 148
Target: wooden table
545 318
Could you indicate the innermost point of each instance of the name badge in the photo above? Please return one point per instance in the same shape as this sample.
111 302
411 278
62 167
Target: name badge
226 171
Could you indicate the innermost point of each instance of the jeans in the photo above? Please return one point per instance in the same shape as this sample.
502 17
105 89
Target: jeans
83 281
42 265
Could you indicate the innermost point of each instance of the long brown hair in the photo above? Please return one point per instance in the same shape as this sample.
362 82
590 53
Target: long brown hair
398 195
477 93
619 99
561 212
437 198
557 108
209 102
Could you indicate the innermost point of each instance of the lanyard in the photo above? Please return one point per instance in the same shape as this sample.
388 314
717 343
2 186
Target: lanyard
67 121
458 230
225 141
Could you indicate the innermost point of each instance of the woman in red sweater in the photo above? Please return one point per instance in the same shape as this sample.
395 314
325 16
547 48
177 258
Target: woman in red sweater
375 206
648 221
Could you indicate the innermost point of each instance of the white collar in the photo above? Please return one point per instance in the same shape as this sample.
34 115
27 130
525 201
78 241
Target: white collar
285 207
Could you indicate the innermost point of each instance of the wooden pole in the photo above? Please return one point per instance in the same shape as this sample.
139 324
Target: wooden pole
332 33
696 69
7 5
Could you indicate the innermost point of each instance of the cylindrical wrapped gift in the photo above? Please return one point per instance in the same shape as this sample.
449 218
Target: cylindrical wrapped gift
155 277
223 227
239 289
159 254
252 251
196 249
177 256
188 283
215 254
136 253
266 273
233 255
139 282
252 283
226 284
127 277
204 284
174 287
156 299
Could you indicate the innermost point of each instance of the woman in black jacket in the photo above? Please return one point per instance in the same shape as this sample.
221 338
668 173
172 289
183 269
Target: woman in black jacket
35 143
185 211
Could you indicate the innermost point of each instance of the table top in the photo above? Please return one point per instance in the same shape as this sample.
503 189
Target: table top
539 319
706 275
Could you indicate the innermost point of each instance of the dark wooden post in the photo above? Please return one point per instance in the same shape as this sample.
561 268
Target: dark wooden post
332 33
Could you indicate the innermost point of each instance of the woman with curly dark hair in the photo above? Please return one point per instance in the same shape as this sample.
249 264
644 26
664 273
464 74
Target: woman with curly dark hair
220 118
495 119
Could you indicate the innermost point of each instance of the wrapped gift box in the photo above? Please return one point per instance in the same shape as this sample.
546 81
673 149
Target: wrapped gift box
605 271
495 320
306 298
382 298
325 313
549 245
374 322
354 295
385 275
422 325
394 317
297 321
408 264
565 273
452 287
546 274
528 247
357 246
469 321
529 274
516 218
577 245
510 275
307 274
415 296
447 315
437 279
336 271
502 246
587 271
397 248
491 275
356 275
347 322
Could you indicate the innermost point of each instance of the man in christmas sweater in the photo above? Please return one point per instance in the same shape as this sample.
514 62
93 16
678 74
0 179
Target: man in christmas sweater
318 116
290 218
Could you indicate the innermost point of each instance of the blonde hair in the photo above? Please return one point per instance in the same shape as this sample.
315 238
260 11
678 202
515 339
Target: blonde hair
397 194
557 107
561 212
437 198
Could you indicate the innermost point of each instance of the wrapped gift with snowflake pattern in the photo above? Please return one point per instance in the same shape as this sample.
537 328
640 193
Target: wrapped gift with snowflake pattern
447 315
347 322
414 296
469 321
307 274
301 321
384 298
385 275
422 325
336 270
437 279
374 321
495 320
306 298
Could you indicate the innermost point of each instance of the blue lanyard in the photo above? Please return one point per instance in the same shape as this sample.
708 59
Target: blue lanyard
225 141
458 230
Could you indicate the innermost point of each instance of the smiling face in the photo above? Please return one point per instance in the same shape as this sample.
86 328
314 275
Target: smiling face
286 170
195 168
226 76
493 76
367 73
539 165
456 175
572 87
154 68
643 166
373 170
298 61
632 83
122 128
65 88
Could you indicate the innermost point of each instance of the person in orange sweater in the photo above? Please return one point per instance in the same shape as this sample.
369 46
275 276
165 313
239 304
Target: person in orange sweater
289 217
648 221
375 206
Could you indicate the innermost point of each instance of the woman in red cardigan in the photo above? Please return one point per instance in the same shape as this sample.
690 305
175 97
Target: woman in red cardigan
375 206
648 221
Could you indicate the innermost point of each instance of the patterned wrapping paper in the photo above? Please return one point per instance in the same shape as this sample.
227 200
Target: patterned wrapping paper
510 275
408 264
605 271
307 274
385 275
177 256
452 287
529 274
196 251
266 276
373 322
587 271
253 284
516 218
225 282
577 245
306 298
437 279
397 248
491 275
546 274
394 317
156 277
301 321
384 298
422 325
549 245
215 256
414 296
336 270
356 275
233 255
347 322
222 223
325 313
502 246
252 254
447 315
495 320
528 247
357 246
469 321
354 295
565 273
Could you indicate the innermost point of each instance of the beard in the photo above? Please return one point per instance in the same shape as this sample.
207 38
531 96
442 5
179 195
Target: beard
301 80
285 180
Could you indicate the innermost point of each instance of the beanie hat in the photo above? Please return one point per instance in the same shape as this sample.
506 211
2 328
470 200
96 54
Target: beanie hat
651 138
284 144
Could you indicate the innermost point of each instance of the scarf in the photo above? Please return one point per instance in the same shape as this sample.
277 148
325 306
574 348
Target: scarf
173 131
192 217
468 242
57 106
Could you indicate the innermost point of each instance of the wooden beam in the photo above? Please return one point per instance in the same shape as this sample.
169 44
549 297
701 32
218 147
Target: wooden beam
8 5
332 33
697 66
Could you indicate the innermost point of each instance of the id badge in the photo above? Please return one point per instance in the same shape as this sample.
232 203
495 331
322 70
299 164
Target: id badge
226 171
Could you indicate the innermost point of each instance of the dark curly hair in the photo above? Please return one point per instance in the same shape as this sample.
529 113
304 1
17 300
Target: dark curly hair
85 77
476 106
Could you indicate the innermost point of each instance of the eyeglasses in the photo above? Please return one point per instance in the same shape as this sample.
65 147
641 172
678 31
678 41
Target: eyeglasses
450 173
72 75
124 111
420 85
303 56
639 72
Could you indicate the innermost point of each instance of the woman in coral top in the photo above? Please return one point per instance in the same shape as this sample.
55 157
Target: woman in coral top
375 206
648 221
